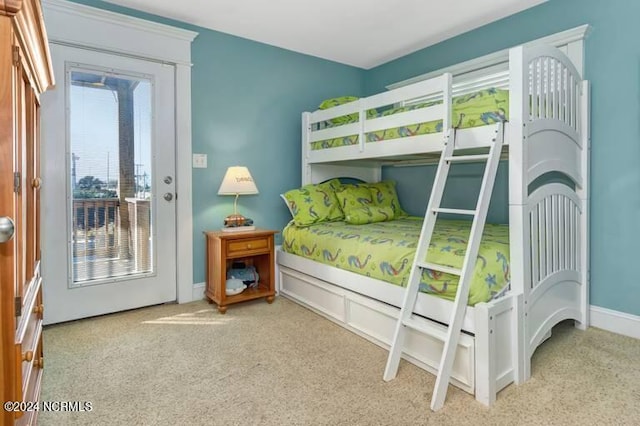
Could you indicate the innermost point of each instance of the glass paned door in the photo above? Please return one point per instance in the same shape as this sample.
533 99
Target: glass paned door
109 211
110 176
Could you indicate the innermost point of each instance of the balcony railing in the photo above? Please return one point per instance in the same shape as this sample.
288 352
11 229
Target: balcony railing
98 238
96 224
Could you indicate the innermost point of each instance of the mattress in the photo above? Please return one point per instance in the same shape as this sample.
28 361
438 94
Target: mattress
472 110
385 251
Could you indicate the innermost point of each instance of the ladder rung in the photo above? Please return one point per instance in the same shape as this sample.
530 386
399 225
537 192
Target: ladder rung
413 324
468 158
455 211
442 268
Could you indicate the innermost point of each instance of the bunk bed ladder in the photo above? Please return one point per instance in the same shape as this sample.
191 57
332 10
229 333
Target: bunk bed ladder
420 263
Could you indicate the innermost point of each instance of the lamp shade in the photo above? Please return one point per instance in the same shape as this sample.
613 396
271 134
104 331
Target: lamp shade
237 180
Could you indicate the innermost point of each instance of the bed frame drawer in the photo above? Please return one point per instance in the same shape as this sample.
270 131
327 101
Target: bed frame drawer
378 321
314 293
375 321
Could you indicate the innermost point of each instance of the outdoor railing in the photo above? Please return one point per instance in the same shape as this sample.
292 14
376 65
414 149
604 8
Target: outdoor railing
95 227
101 249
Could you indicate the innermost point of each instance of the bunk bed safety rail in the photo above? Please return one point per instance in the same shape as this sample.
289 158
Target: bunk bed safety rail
332 113
322 125
433 88
437 89
337 111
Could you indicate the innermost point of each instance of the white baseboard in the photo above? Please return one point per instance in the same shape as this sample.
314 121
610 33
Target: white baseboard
198 291
615 321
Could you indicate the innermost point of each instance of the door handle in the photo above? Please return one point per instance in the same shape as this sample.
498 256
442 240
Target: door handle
7 228
168 196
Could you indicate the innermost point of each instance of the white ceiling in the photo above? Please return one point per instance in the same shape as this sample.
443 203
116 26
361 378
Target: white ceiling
362 33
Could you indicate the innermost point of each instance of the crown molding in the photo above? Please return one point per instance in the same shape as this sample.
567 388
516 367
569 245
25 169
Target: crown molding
119 19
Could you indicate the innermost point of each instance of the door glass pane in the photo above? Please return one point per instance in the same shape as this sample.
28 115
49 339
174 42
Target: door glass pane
110 176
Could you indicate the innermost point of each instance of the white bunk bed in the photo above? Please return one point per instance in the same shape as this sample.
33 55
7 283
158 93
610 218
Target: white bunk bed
547 131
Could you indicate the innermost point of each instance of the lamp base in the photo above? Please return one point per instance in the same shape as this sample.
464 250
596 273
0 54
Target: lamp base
237 223
234 220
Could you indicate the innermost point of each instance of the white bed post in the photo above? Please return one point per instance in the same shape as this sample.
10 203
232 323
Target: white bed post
583 193
306 131
518 221
362 118
485 355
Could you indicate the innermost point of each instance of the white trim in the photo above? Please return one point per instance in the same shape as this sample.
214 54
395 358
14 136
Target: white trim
615 321
198 291
127 36
564 38
123 34
184 187
119 19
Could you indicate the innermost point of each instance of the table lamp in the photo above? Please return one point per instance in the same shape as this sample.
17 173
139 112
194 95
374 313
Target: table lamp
237 181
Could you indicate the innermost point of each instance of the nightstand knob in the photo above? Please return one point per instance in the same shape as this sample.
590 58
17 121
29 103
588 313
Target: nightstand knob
27 356
248 246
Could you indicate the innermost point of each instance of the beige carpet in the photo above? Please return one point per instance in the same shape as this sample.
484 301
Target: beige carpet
282 364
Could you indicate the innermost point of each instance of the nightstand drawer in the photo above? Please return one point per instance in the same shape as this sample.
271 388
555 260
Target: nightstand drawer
248 245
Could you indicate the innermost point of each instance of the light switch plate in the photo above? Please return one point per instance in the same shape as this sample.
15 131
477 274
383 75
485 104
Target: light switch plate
199 161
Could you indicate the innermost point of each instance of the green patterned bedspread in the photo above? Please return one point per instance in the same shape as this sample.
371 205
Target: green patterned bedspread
476 109
385 250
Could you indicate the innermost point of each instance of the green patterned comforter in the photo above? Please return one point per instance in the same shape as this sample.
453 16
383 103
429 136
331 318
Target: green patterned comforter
476 109
385 250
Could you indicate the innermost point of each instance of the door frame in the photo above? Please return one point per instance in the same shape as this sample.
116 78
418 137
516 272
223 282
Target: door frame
86 27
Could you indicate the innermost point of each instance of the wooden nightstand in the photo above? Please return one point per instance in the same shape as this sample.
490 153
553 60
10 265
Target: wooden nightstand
250 247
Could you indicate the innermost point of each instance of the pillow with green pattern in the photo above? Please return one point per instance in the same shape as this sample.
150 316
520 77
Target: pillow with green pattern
353 197
345 119
384 195
396 110
329 189
364 215
333 102
314 203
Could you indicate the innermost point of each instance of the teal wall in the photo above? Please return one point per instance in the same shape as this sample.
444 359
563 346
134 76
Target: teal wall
462 190
612 64
247 99
246 103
